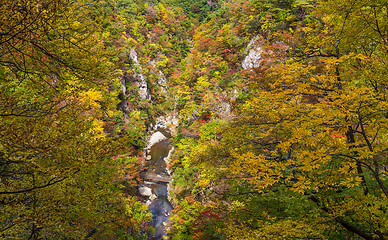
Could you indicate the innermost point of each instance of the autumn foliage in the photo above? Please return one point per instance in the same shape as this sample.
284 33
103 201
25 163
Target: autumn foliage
305 154
292 144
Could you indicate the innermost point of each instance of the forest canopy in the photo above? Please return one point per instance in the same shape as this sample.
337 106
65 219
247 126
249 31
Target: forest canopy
283 117
58 180
304 153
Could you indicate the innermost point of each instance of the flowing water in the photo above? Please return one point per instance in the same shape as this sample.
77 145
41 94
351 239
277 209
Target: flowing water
160 207
158 152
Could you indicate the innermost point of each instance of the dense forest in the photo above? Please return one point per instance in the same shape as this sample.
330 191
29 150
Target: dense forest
282 108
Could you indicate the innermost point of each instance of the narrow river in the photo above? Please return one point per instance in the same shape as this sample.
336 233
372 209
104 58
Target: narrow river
160 207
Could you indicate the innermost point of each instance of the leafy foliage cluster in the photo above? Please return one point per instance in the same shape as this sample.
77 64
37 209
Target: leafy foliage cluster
159 36
303 154
58 179
292 147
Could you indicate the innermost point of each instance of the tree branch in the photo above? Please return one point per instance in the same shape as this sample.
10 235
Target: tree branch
34 188
345 224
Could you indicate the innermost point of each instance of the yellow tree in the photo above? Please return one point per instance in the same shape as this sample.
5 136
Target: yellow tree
311 143
57 178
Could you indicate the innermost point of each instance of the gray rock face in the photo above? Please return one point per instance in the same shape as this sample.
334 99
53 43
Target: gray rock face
253 59
145 191
170 121
142 81
133 55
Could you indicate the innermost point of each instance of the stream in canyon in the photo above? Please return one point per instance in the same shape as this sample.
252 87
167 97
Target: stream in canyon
159 206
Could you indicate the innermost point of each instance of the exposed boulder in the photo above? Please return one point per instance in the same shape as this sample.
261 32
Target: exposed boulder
145 191
155 138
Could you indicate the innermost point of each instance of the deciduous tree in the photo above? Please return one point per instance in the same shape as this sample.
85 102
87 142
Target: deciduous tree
57 177
306 154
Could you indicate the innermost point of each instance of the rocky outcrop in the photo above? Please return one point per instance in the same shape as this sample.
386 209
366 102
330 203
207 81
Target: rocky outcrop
123 105
170 121
253 59
142 81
